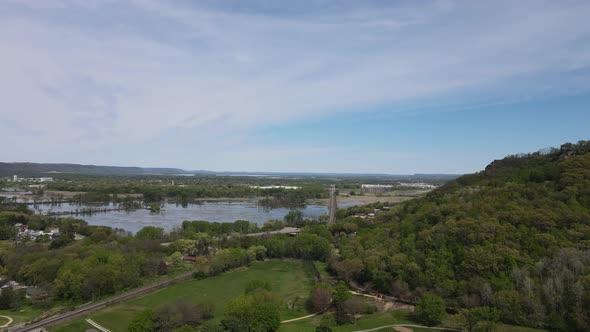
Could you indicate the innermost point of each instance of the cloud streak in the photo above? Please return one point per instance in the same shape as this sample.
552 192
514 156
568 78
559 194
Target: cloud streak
99 75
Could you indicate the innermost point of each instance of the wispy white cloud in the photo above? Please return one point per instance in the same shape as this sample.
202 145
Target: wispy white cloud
105 75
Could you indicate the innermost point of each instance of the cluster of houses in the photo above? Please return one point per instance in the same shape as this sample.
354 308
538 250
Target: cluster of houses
419 185
24 232
10 284
24 185
381 188
371 215
275 187
375 188
29 291
16 178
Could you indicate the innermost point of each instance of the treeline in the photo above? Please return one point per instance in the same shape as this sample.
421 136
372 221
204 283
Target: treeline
112 190
290 197
220 228
303 246
109 189
101 264
293 218
102 261
308 245
514 238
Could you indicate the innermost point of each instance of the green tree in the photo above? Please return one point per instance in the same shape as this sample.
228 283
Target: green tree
348 269
266 317
341 295
185 246
311 246
202 243
480 319
430 309
9 299
70 279
257 252
248 313
142 322
294 218
150 233
326 321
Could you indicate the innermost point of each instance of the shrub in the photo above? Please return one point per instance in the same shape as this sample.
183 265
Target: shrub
255 285
320 298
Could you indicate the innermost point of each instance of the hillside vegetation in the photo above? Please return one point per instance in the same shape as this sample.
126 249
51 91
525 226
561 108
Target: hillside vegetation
514 237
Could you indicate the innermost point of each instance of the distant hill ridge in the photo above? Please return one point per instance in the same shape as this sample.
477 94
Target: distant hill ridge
38 168
27 168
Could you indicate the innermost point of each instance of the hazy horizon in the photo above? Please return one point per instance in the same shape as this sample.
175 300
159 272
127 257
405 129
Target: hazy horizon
230 172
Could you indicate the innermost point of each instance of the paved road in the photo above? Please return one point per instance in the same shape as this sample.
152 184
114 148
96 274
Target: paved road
333 206
77 313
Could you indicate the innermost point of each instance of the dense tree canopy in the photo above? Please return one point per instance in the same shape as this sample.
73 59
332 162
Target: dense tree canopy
514 237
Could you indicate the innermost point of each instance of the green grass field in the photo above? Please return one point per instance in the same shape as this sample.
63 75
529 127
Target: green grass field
288 279
24 314
381 319
366 322
512 328
3 321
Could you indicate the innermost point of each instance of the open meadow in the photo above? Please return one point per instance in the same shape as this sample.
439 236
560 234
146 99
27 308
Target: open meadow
288 279
291 280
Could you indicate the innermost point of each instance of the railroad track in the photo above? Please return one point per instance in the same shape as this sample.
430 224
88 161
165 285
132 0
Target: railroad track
76 313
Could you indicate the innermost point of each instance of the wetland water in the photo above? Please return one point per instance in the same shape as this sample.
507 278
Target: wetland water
173 215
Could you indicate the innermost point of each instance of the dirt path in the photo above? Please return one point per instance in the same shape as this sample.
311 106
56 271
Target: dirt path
299 318
365 295
407 326
402 329
10 320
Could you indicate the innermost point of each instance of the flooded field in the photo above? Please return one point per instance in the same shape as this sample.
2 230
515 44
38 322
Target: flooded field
173 215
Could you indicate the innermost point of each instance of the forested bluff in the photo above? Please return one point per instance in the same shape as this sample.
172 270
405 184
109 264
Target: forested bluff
514 237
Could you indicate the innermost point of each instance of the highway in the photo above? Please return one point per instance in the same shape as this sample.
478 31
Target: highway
77 313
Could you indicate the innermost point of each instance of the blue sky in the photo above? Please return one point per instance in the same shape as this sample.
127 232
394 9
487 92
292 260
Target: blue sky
318 86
